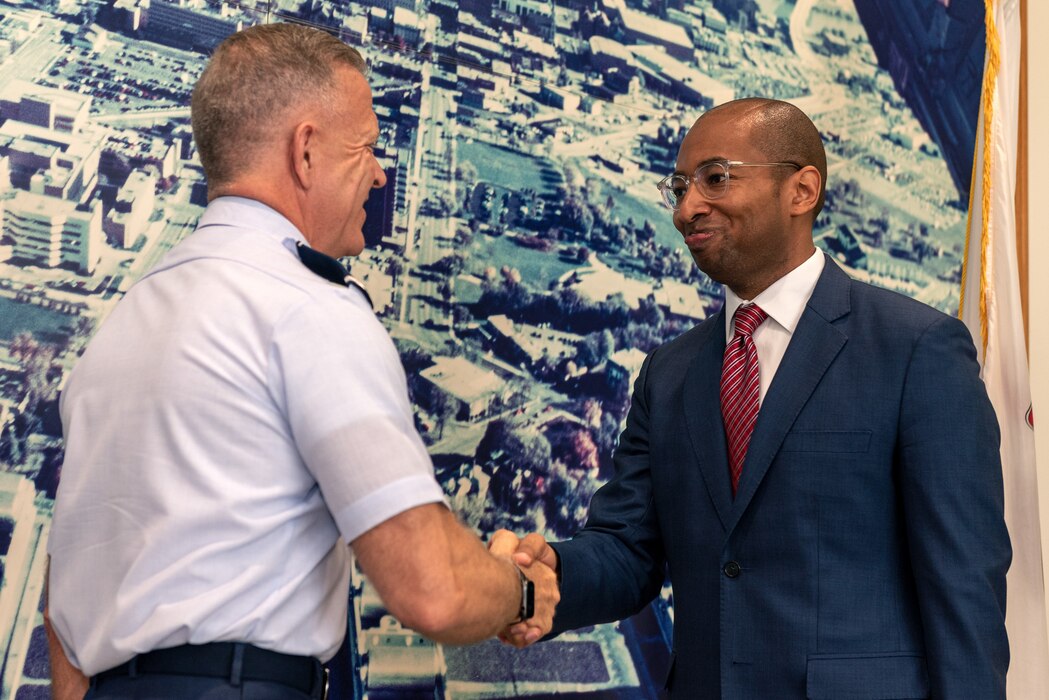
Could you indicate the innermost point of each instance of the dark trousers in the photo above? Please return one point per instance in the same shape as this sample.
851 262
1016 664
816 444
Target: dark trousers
217 671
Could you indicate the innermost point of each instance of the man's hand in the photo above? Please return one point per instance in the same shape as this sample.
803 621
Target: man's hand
538 561
436 577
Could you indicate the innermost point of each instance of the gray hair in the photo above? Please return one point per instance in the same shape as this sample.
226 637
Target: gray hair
253 79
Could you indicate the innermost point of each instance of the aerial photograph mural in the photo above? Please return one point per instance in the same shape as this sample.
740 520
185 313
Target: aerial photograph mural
519 254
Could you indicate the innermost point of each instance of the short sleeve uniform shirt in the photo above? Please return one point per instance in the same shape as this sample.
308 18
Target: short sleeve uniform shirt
236 420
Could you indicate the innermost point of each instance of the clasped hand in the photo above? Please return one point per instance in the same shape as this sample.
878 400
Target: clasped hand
538 561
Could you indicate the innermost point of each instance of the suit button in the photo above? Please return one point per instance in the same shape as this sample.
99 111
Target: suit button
732 569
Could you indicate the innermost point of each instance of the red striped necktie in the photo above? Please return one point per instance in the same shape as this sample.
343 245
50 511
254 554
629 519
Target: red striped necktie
739 388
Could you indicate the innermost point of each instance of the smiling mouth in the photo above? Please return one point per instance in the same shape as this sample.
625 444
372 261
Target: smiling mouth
698 238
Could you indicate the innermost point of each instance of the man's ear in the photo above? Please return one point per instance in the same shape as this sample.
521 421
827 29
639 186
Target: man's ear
806 191
303 148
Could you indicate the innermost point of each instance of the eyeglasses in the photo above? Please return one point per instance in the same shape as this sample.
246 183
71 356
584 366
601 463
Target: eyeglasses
711 179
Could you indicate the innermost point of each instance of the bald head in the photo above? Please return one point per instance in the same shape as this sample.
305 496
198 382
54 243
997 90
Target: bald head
779 130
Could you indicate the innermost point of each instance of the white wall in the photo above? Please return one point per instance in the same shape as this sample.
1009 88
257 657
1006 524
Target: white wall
1038 210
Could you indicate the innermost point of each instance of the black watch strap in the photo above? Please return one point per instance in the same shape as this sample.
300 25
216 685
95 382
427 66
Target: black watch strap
527 598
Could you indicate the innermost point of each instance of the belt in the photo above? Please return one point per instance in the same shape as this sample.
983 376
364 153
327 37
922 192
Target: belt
235 661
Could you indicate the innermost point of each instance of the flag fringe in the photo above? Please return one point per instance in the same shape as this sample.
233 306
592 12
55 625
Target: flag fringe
990 79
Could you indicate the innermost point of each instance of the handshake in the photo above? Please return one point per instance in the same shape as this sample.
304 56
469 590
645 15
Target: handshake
538 561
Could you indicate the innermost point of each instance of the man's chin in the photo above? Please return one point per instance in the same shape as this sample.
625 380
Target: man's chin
711 268
355 246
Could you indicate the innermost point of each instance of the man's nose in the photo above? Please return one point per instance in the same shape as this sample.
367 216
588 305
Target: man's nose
380 175
693 204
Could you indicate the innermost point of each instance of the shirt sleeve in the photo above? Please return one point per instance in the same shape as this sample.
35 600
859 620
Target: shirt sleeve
336 372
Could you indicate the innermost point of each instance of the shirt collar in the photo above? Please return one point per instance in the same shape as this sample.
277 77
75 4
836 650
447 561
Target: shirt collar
241 212
785 299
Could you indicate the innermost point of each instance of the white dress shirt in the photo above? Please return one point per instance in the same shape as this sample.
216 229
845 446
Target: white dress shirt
236 420
783 301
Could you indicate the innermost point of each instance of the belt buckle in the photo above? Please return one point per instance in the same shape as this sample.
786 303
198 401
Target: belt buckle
324 691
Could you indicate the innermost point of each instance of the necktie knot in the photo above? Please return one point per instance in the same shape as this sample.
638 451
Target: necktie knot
748 317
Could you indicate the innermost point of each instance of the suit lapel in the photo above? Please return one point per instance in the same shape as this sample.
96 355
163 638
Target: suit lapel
814 345
702 411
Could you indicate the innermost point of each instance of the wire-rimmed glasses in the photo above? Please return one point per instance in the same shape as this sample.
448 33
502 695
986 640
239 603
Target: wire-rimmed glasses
711 178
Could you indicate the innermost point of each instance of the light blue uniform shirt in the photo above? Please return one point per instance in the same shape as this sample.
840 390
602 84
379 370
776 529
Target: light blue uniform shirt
234 422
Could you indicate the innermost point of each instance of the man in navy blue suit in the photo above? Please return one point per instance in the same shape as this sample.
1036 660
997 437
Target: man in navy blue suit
856 547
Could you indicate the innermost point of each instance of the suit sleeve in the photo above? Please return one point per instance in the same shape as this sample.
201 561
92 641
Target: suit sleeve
615 565
951 482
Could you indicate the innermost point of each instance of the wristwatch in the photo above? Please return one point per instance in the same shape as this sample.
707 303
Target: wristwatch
527 598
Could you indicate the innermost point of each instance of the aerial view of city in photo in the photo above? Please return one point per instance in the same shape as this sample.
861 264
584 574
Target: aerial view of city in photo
518 255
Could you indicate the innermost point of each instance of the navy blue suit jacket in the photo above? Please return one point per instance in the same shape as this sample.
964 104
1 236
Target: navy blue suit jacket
865 554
